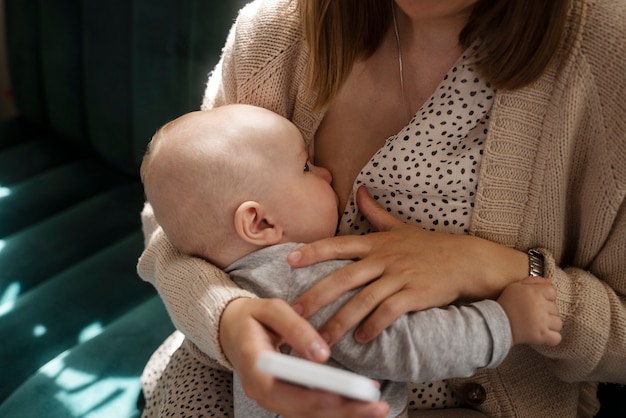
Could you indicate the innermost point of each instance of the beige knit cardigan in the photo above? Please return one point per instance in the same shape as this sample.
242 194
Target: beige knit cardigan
553 177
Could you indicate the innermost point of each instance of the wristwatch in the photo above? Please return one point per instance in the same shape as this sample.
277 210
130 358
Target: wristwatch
535 263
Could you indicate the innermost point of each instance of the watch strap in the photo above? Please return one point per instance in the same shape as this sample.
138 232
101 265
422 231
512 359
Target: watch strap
535 263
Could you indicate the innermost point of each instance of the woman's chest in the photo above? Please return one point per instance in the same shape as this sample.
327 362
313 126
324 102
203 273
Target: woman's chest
366 112
344 145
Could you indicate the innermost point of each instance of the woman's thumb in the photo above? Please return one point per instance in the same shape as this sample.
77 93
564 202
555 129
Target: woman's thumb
376 214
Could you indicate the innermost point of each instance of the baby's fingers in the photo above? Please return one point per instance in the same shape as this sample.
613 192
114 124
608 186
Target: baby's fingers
553 334
552 338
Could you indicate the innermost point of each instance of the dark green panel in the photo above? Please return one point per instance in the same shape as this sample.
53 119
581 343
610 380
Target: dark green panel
52 191
107 77
32 255
61 61
24 56
32 156
16 130
186 39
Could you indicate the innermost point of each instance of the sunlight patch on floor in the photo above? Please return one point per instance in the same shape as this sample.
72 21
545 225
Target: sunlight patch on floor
9 296
86 395
90 331
39 330
4 192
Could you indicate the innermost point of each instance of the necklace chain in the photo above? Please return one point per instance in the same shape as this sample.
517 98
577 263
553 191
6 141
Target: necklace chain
405 103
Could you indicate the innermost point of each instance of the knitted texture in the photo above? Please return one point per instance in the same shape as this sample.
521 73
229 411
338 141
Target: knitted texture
553 176
194 292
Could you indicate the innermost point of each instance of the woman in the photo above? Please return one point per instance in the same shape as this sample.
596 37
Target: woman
512 119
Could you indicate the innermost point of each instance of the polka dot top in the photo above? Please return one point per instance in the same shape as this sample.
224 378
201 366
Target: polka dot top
426 174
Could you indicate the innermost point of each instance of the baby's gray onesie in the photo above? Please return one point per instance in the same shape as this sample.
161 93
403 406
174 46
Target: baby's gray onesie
430 345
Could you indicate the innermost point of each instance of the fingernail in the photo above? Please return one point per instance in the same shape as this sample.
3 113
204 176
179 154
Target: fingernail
295 256
360 336
298 308
318 351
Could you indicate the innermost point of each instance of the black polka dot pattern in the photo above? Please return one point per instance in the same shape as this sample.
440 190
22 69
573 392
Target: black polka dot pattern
185 387
426 174
429 395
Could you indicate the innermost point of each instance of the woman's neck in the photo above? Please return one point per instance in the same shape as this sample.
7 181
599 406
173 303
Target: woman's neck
434 35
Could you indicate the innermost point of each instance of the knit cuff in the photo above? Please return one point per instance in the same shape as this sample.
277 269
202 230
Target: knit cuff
567 289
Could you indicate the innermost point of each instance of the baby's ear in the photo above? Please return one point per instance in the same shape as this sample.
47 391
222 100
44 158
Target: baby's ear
253 226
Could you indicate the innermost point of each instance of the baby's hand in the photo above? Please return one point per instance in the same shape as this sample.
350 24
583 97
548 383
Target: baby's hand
531 307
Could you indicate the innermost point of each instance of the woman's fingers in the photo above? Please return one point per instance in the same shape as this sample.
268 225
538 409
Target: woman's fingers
402 268
294 401
250 326
278 396
293 329
336 284
346 247
387 312
289 400
378 216
336 248
378 301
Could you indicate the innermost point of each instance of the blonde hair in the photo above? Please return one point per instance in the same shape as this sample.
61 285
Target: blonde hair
337 33
518 38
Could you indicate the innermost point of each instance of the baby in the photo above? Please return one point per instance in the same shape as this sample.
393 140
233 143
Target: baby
234 185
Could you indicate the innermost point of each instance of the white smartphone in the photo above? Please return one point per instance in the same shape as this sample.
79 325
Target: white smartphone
318 376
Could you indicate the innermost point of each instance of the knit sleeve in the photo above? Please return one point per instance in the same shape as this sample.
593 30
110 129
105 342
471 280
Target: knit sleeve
194 292
592 288
593 308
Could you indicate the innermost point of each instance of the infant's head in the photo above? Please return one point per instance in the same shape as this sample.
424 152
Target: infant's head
227 181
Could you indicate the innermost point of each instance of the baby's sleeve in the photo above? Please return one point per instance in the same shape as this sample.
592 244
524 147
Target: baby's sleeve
433 345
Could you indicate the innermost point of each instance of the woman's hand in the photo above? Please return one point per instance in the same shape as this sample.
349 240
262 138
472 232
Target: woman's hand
403 268
249 326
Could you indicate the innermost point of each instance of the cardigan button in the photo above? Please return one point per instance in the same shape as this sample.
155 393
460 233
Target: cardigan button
474 394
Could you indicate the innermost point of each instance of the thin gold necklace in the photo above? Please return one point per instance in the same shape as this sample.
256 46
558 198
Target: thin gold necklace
405 102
